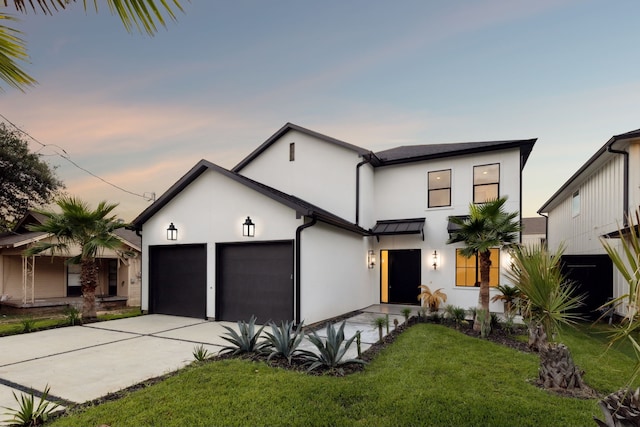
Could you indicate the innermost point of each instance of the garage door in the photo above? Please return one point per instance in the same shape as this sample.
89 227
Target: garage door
254 279
593 277
178 280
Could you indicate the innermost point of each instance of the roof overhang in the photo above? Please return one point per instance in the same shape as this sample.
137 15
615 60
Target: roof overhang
394 227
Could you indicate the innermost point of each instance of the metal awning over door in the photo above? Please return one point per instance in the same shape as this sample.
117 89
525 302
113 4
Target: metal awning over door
393 227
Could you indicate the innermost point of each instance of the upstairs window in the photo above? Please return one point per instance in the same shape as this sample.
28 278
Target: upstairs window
292 151
439 192
575 203
486 183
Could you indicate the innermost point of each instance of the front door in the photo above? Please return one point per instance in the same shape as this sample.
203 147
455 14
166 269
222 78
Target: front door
113 277
402 271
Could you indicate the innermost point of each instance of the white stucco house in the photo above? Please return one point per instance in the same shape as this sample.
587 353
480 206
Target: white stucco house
593 204
307 227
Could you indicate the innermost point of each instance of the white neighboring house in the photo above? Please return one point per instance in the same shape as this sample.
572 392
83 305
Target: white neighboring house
333 228
591 205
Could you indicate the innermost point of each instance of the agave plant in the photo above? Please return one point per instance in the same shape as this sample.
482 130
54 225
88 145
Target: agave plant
330 351
246 341
28 413
200 353
283 340
431 299
456 314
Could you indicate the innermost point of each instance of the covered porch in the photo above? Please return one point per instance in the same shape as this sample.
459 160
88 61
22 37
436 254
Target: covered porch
59 304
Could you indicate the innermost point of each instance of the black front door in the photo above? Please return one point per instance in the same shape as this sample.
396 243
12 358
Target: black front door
404 276
113 277
593 277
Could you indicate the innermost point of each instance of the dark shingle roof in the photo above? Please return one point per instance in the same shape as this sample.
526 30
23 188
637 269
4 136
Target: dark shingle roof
534 225
414 153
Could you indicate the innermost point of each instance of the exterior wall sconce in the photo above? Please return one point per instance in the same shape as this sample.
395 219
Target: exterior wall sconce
172 232
435 260
371 259
248 228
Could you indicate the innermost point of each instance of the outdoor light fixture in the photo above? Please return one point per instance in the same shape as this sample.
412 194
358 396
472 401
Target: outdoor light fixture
172 232
371 259
435 260
248 228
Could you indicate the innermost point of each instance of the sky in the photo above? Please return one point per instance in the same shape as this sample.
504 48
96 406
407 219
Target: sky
140 111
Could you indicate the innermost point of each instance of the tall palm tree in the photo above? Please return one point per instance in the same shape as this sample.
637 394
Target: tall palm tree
488 226
143 15
90 231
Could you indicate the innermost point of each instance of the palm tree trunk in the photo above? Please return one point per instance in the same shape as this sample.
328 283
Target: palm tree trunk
88 282
557 370
485 268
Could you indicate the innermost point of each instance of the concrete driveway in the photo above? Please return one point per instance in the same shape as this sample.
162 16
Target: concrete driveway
82 363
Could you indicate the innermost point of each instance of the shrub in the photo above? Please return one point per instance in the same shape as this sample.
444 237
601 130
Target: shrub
406 312
28 325
200 353
380 322
73 315
431 299
246 341
28 414
283 340
330 351
455 314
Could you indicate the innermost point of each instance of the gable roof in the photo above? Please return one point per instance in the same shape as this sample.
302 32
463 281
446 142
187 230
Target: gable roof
416 153
534 225
594 162
288 127
302 207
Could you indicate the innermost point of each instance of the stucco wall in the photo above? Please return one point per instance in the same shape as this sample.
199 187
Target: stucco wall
322 173
335 276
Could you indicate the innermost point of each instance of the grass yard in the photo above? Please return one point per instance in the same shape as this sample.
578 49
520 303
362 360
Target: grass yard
431 375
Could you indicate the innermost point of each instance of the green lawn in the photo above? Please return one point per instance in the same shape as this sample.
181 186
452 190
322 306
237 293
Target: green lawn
432 375
13 324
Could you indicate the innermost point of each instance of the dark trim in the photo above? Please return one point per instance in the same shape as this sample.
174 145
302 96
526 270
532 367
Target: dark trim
286 128
298 264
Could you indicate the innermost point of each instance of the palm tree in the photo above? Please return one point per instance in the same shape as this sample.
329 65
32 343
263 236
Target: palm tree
550 301
144 15
487 226
90 231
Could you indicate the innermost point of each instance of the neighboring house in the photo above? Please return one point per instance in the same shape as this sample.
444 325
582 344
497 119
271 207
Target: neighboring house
308 227
534 231
591 205
44 281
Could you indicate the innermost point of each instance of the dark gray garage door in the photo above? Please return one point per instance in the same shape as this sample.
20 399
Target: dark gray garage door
254 279
593 277
178 280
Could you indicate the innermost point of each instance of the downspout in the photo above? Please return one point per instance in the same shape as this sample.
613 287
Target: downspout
520 201
367 159
625 194
298 263
546 229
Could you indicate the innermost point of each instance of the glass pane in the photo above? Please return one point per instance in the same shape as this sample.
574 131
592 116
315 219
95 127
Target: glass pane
485 193
439 198
487 174
439 180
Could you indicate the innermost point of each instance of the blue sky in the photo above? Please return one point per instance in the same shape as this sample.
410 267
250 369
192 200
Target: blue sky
139 111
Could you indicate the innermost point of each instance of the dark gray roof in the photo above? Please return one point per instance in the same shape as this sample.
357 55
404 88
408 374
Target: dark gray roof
603 151
13 239
130 237
415 153
286 128
302 207
534 225
398 226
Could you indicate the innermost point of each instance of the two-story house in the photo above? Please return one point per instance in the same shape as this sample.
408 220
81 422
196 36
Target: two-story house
307 227
593 204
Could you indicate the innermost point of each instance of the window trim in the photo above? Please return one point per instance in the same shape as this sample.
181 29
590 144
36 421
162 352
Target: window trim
486 184
429 190
576 208
292 151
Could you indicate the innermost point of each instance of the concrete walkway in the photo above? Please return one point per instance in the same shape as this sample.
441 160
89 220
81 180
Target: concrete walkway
82 363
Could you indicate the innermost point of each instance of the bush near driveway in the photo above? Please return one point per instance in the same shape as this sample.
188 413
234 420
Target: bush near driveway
431 375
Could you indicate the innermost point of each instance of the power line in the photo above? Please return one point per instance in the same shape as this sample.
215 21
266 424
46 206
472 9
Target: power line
67 157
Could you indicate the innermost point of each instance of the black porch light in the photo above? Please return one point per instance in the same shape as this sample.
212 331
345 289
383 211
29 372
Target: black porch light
248 228
172 232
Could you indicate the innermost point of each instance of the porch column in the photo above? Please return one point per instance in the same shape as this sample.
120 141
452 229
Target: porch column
28 278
